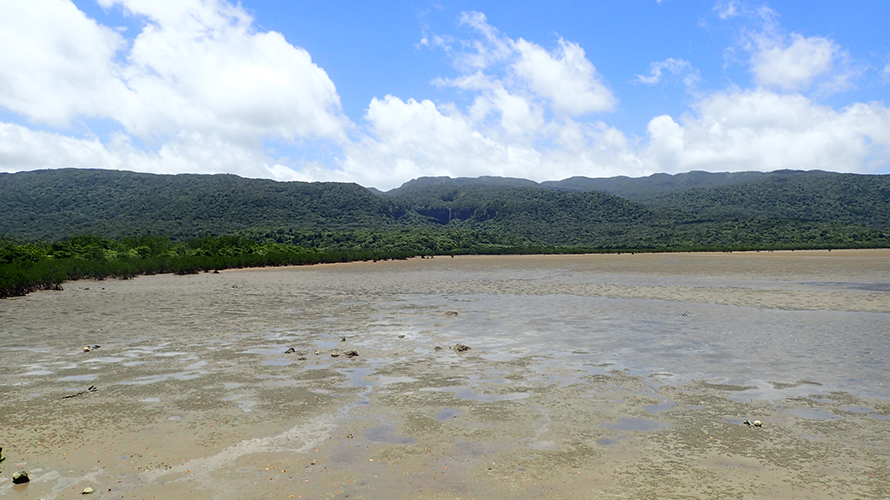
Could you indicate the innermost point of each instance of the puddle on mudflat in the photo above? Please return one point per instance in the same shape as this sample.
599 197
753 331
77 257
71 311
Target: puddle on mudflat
153 379
104 359
608 441
447 413
386 434
469 394
364 377
858 409
277 362
812 414
543 445
660 407
79 378
635 424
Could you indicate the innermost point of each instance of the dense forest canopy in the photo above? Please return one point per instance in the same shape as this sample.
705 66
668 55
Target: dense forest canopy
54 204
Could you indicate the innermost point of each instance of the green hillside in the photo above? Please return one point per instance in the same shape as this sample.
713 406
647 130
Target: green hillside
53 204
685 211
802 196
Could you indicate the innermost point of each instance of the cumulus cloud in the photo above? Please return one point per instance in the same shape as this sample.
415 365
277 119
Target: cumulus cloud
214 74
793 64
408 139
524 99
765 130
62 65
22 148
196 82
565 77
790 62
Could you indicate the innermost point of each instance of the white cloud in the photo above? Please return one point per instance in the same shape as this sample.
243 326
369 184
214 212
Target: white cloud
408 139
727 9
763 130
565 77
207 92
794 65
505 130
24 149
56 63
677 67
195 66
189 152
492 49
790 62
518 124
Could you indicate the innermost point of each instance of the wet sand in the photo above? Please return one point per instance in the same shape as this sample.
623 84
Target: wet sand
604 376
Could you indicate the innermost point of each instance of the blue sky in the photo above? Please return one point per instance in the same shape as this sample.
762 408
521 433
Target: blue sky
379 93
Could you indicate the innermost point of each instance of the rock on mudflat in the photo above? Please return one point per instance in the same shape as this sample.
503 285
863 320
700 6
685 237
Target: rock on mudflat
20 477
462 348
86 491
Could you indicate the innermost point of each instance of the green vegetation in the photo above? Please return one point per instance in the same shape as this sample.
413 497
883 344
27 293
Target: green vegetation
131 224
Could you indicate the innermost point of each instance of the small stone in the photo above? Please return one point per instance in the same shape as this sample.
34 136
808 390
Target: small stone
401 336
20 477
450 313
335 354
290 351
438 348
86 349
351 354
757 423
462 348
86 491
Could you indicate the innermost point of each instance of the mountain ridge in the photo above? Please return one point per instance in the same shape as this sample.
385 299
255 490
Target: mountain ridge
662 210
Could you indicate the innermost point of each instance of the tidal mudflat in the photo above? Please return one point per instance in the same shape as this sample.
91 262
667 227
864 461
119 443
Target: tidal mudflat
600 376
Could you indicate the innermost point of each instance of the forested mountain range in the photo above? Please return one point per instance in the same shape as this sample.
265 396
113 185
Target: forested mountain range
690 210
